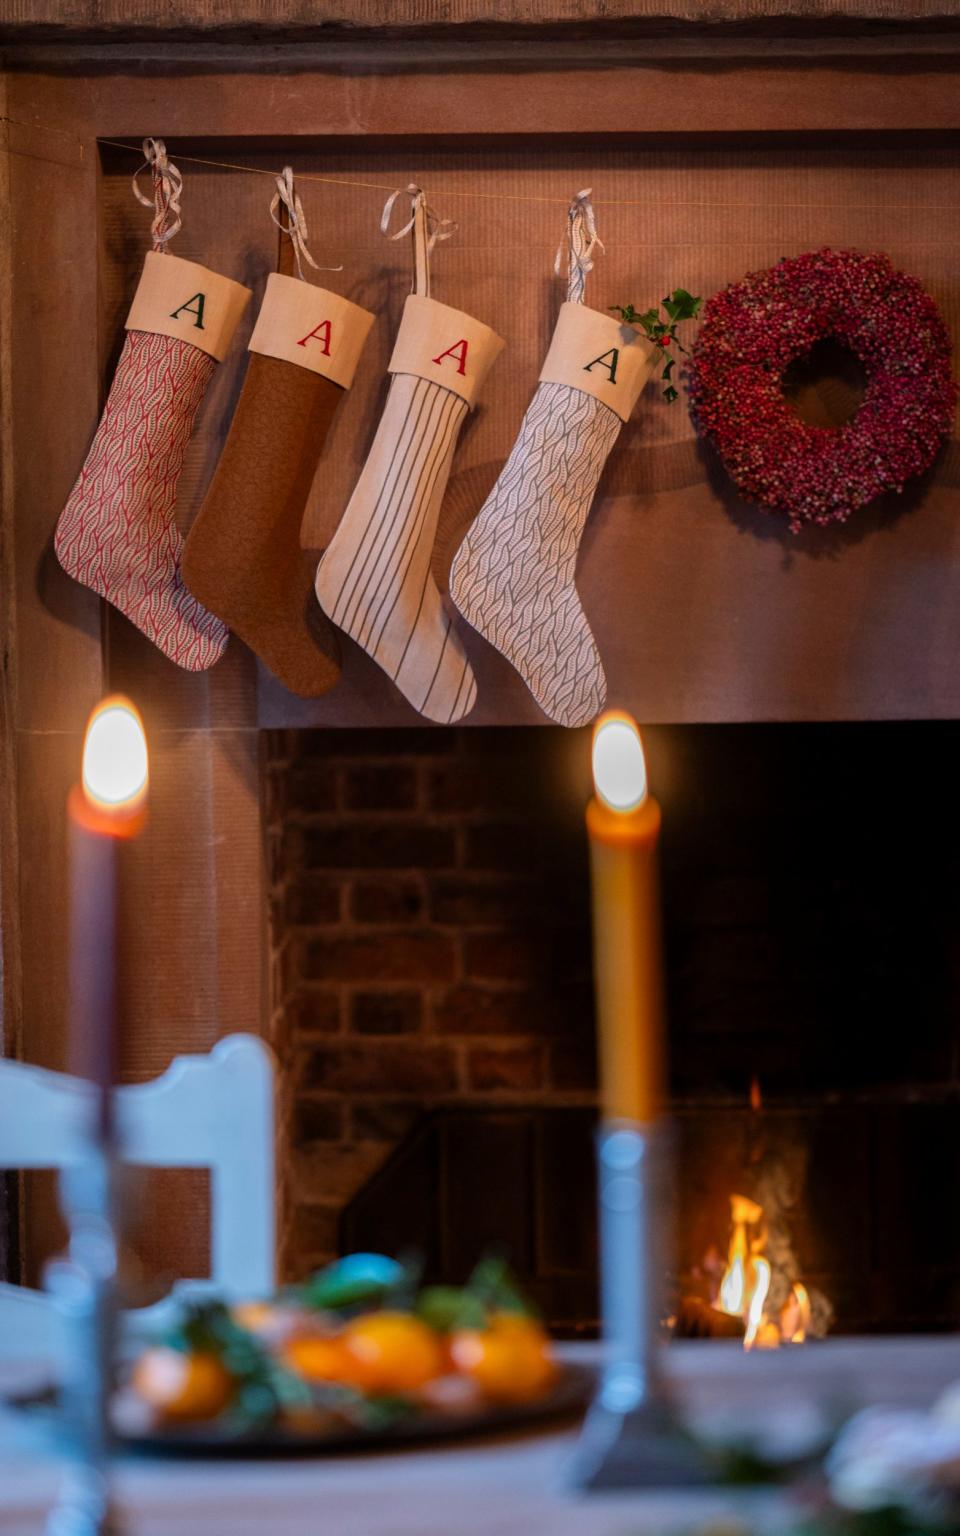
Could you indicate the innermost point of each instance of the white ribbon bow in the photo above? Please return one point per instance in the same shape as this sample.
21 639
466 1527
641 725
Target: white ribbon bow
582 240
296 224
167 187
437 228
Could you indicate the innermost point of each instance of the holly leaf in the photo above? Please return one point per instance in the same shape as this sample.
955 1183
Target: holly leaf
681 305
670 394
668 367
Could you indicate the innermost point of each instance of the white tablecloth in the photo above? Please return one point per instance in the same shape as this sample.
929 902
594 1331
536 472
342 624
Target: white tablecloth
508 1487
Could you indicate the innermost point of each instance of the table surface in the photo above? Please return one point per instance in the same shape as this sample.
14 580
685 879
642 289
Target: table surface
507 1486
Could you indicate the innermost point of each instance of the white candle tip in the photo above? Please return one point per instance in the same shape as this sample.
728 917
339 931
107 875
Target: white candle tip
115 766
619 767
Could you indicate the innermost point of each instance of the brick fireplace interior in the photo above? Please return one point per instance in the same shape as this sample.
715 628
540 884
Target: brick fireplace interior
431 999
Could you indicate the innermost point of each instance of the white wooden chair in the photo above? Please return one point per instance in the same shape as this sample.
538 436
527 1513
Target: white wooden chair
213 1112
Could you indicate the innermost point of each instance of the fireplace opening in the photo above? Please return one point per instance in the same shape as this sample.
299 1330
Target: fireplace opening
432 1010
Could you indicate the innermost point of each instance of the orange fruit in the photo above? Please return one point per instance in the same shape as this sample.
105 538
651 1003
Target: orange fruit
255 1316
510 1361
392 1352
318 1358
183 1386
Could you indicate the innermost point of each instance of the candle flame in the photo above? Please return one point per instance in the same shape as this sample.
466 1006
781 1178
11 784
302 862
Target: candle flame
115 766
619 766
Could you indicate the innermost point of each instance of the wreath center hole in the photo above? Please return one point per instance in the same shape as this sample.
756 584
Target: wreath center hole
826 386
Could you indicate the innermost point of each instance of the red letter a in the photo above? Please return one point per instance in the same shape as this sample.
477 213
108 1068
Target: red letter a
459 351
322 333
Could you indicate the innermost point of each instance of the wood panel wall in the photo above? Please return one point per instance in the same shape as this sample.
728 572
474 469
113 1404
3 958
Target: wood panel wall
704 609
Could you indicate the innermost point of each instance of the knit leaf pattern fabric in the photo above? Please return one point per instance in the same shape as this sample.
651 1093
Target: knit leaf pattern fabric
513 575
117 532
375 579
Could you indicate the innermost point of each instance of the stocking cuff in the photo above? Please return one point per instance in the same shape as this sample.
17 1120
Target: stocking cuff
444 345
183 299
303 324
599 356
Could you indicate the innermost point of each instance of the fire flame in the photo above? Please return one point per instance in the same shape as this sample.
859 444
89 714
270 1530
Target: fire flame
745 1285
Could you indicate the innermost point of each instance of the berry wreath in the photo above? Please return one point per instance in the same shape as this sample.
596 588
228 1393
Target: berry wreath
756 327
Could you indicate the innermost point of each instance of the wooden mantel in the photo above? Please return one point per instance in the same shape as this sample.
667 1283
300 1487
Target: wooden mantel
113 18
764 110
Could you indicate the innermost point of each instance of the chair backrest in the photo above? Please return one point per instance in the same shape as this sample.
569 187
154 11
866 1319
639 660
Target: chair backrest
213 1112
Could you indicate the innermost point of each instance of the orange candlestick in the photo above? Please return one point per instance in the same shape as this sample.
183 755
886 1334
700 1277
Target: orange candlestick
106 809
623 824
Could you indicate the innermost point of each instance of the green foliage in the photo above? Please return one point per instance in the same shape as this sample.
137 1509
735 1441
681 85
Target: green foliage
494 1282
492 1287
873 1522
263 1388
445 1308
678 306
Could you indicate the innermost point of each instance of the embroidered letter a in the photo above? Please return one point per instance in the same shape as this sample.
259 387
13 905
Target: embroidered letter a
459 351
199 299
319 333
611 366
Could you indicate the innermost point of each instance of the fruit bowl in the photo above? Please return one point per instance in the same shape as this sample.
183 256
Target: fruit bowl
564 1402
359 1356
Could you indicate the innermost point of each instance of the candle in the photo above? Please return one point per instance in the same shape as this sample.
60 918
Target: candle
629 1439
106 809
623 823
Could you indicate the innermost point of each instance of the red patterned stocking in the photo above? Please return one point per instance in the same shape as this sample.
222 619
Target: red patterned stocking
117 532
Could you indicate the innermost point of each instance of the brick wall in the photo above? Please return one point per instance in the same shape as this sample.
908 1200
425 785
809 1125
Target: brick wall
430 927
431 944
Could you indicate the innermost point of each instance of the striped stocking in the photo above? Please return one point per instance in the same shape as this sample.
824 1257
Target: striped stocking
375 580
513 575
117 533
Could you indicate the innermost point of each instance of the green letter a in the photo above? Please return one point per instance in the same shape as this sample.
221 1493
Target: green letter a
199 299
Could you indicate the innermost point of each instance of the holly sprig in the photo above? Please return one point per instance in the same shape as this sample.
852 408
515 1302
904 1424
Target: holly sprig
677 306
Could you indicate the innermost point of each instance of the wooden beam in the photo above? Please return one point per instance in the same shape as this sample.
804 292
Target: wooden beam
299 20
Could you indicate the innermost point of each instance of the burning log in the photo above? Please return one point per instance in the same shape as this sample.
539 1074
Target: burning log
697 1319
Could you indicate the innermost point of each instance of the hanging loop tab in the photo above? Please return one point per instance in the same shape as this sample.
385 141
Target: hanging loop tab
295 223
427 228
582 241
167 187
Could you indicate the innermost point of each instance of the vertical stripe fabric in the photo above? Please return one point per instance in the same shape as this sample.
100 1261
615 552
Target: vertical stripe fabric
374 580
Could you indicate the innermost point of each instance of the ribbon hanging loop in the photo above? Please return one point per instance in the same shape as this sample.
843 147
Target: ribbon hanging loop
294 223
581 242
165 199
427 228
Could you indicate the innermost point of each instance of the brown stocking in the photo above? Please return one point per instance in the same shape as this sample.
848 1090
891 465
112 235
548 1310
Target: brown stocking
243 558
